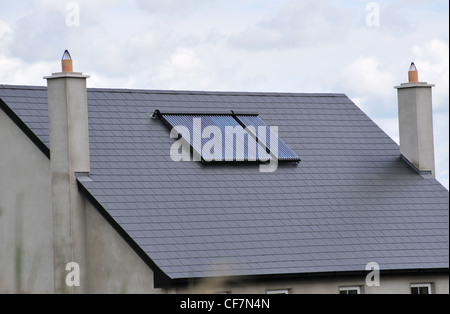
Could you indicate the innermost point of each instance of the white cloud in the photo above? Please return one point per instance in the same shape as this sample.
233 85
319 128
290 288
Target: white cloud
5 29
170 6
15 71
441 147
432 60
390 127
6 34
296 24
35 33
368 76
184 69
86 6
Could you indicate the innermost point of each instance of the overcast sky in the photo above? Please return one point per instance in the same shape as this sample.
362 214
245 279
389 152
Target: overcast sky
360 48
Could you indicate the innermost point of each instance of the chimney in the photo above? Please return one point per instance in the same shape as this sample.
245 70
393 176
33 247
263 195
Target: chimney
69 154
416 122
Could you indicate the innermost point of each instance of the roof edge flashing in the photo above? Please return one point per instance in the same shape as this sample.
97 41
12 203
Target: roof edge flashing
83 177
425 174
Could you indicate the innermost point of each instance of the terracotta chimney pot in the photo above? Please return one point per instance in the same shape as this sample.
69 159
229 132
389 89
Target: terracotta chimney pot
66 62
413 74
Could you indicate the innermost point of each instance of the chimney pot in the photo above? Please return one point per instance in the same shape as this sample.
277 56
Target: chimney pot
413 74
66 62
413 67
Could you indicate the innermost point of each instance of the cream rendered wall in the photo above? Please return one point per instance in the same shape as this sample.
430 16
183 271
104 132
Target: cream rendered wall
26 237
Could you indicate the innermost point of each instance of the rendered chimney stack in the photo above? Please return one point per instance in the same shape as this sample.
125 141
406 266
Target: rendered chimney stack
66 62
416 122
69 154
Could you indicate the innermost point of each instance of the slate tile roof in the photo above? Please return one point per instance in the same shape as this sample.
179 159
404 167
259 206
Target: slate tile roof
352 200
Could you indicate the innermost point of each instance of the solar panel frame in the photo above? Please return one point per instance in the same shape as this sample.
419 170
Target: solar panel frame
239 141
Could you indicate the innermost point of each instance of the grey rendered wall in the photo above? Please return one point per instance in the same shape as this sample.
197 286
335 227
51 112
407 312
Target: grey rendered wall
113 266
415 115
388 285
26 229
26 248
69 153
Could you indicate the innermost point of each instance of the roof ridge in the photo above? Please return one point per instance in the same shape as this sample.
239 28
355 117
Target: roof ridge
218 93
187 92
28 87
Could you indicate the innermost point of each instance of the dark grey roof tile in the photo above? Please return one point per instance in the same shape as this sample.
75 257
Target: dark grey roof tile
350 200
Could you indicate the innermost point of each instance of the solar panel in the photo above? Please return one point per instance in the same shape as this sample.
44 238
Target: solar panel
268 138
228 137
217 137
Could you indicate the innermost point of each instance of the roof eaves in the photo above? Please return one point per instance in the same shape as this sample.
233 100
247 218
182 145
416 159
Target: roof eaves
180 282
